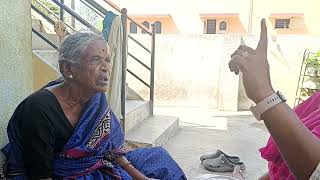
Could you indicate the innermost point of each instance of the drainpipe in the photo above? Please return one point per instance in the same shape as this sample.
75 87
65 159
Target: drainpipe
73 21
61 11
250 17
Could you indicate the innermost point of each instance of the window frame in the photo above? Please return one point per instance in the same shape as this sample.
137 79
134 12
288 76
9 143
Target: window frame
223 22
156 27
285 24
133 25
144 23
207 27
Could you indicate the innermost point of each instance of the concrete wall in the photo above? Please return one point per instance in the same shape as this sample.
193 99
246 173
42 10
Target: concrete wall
43 71
308 10
16 76
168 25
192 70
285 58
297 26
186 14
234 24
188 70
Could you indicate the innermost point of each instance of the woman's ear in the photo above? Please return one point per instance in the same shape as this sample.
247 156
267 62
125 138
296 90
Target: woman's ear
66 69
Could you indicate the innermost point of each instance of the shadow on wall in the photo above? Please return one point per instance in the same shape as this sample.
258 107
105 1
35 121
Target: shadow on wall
189 67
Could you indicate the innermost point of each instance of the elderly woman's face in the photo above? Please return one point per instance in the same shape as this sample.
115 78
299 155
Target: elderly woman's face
94 71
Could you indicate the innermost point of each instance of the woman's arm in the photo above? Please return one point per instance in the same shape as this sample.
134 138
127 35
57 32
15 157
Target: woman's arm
127 166
38 142
297 145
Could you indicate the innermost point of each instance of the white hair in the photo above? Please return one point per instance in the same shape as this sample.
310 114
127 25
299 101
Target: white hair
74 46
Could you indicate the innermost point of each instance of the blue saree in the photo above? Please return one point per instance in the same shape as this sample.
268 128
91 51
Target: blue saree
90 152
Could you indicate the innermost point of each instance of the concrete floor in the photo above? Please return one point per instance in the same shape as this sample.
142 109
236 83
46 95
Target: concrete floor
205 130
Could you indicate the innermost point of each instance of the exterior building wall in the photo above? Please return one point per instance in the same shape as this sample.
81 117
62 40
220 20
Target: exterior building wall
304 14
168 25
16 76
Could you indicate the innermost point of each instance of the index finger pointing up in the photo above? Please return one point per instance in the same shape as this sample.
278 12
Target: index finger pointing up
263 42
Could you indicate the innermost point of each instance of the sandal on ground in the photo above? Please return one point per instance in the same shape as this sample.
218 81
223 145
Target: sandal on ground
222 164
217 154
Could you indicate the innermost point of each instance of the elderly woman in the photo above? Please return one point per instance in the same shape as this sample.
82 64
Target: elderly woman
293 151
66 129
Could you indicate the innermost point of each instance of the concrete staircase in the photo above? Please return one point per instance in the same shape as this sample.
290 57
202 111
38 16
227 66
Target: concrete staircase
142 128
153 131
146 130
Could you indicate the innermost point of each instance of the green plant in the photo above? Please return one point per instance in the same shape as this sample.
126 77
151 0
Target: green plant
49 5
314 60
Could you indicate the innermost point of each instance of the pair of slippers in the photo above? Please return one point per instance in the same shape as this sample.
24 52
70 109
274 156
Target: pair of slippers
221 162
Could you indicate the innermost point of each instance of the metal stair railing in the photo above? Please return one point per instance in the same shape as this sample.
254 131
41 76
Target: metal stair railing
49 11
124 18
44 38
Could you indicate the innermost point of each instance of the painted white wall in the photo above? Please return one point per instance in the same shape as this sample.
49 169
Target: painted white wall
192 70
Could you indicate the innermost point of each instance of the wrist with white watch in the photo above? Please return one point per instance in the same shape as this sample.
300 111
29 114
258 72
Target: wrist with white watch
267 104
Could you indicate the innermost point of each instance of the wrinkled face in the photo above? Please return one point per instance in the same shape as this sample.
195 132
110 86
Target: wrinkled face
94 70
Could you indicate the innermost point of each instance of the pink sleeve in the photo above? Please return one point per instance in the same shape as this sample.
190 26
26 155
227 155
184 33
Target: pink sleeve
308 106
309 113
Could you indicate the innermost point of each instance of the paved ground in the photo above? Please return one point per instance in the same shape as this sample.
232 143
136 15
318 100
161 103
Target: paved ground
206 130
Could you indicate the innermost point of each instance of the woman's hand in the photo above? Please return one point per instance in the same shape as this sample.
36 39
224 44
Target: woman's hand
296 143
131 170
254 67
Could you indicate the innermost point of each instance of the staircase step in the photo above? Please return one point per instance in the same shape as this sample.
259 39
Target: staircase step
153 131
40 44
51 56
131 94
136 112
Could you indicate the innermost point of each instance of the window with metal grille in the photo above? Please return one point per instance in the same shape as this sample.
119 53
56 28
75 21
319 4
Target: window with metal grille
146 24
282 23
133 28
223 26
211 26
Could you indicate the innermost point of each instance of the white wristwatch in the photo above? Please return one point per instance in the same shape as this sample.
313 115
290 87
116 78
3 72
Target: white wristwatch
266 104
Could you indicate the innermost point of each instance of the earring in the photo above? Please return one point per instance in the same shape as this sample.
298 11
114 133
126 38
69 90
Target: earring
71 76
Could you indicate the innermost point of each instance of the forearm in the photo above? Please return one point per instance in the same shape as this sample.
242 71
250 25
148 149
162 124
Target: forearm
131 170
298 146
264 177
